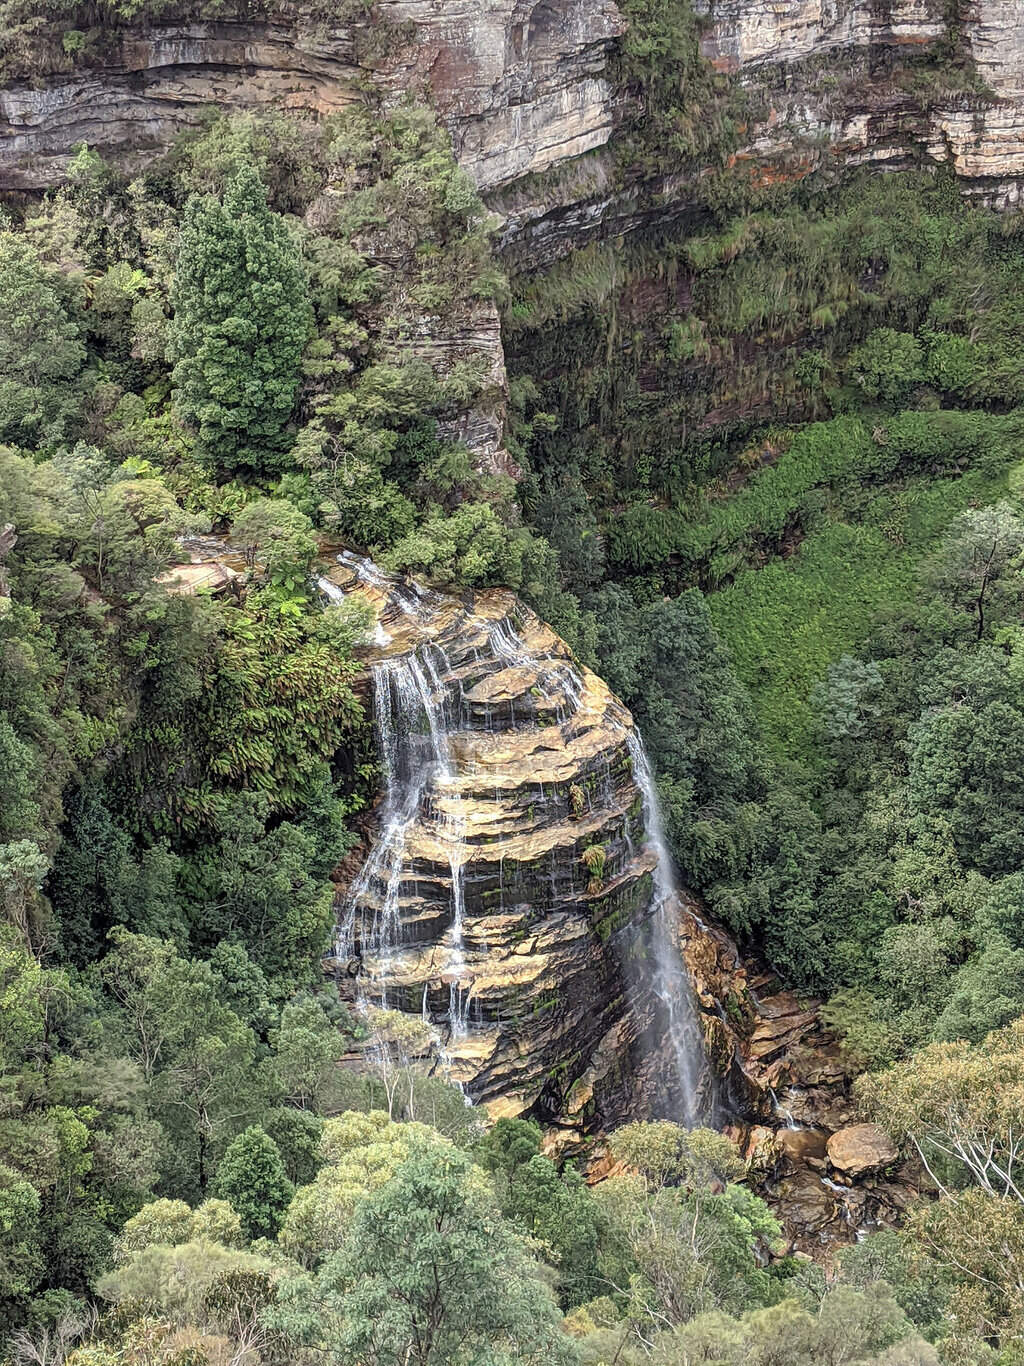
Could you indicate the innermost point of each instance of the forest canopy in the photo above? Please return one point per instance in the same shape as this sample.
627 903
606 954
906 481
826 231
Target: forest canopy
779 507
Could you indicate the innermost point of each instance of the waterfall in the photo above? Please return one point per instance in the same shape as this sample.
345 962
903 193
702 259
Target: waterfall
670 980
462 678
412 739
371 920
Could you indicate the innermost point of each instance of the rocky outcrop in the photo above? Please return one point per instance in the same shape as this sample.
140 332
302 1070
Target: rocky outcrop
861 1150
520 82
469 334
475 905
508 891
747 33
853 84
786 1102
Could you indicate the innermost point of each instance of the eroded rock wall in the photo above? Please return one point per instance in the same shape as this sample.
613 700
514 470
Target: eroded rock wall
861 84
506 891
524 86
521 83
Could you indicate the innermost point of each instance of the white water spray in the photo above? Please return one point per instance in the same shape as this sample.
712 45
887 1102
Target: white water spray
418 768
670 982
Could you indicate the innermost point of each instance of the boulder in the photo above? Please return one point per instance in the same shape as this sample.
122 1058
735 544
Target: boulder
761 1151
861 1149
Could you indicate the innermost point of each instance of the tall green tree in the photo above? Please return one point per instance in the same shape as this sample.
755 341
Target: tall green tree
430 1276
41 350
241 321
251 1177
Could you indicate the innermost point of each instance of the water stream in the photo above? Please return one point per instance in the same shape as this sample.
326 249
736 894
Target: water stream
419 704
670 980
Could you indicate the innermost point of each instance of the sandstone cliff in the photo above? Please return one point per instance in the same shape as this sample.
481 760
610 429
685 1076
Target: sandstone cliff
524 87
520 83
507 889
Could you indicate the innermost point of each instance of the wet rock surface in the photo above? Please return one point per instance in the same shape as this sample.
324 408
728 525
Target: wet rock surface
509 884
827 1177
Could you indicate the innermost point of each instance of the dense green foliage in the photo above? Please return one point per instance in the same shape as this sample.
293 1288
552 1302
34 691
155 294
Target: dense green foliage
241 321
772 487
814 790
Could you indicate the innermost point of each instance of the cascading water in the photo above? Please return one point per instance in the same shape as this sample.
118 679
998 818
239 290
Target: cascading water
670 981
412 734
412 761
468 697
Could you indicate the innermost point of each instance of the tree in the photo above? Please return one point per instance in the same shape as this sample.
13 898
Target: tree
471 546
397 1042
507 1149
170 1222
556 1210
888 364
843 700
21 1254
265 882
976 1242
677 1253
197 1056
987 993
41 350
23 865
241 322
175 1280
308 1048
961 1108
22 1003
252 1178
275 534
978 565
848 1327
429 1276
967 766
360 1153
667 1154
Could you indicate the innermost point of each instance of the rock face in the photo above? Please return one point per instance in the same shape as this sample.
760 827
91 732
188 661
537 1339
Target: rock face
507 893
524 87
786 1102
520 82
854 84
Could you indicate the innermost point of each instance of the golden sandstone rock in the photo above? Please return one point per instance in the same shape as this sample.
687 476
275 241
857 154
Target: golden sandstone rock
509 878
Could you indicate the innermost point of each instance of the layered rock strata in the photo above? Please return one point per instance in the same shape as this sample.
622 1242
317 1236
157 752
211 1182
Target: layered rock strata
862 84
510 895
521 83
507 891
524 87
827 1176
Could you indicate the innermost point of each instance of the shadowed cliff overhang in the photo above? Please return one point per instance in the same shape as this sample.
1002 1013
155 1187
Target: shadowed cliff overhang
524 87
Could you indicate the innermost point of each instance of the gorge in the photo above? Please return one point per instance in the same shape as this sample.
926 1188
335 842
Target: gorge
511 683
